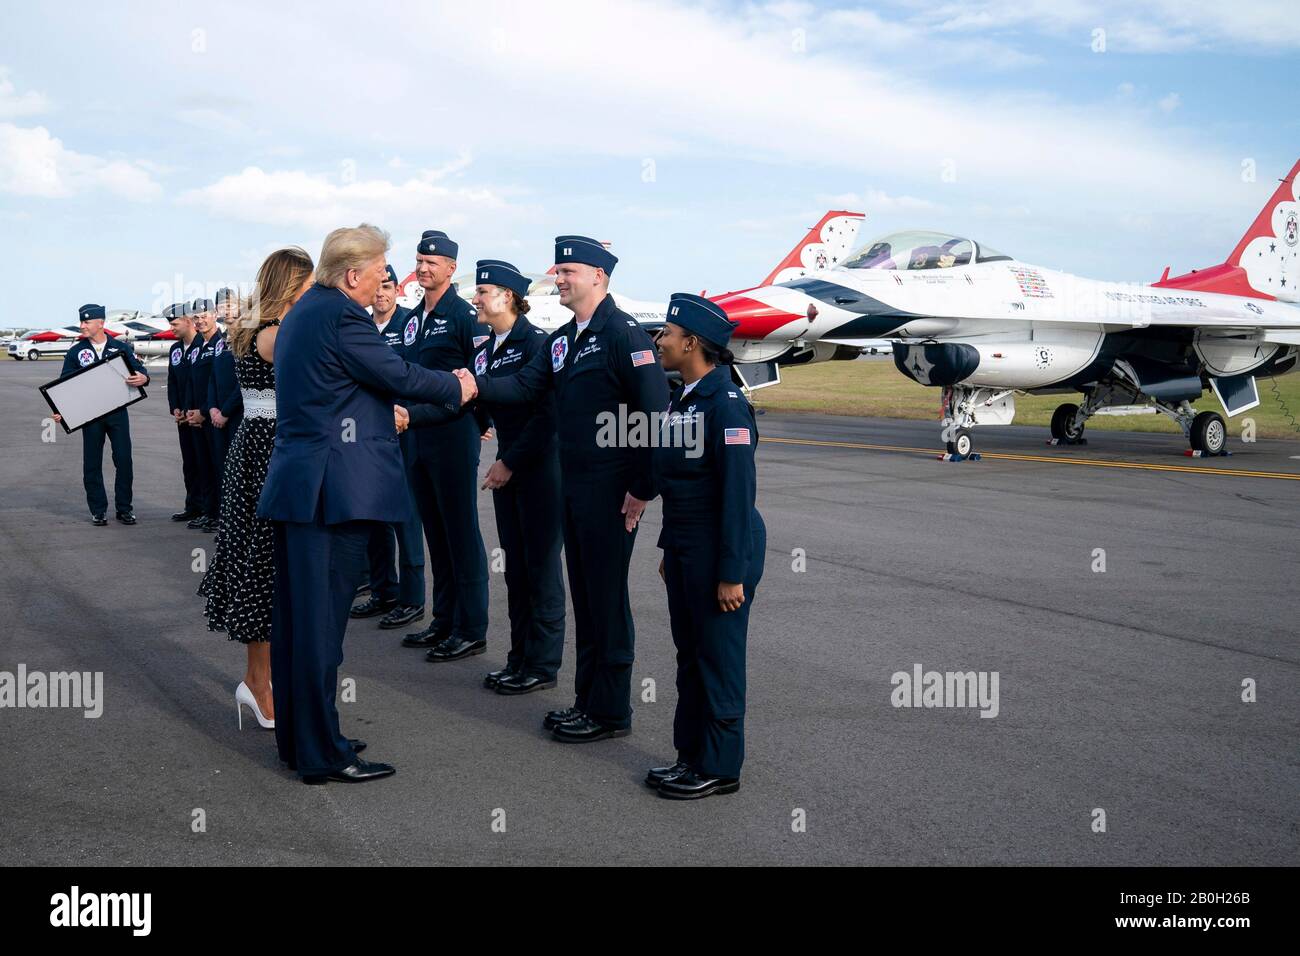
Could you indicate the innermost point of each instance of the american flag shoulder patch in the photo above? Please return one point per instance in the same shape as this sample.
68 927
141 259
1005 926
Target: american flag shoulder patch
643 358
735 436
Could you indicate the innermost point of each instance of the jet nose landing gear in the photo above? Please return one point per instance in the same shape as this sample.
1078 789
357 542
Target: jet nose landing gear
961 443
1208 434
965 407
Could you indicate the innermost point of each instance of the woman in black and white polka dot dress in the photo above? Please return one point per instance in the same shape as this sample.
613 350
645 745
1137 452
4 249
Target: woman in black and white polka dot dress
240 581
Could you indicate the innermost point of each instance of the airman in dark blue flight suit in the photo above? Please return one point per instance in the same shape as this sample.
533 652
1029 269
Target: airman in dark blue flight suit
525 483
444 479
201 354
713 540
178 370
224 397
396 551
94 347
601 366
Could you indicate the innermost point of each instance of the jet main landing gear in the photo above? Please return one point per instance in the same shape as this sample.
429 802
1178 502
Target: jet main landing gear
1067 425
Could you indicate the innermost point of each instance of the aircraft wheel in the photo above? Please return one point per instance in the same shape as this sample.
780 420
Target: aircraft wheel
962 444
1209 434
1063 427
34 355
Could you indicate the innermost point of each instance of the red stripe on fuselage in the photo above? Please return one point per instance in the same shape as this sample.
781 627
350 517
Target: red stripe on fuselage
757 319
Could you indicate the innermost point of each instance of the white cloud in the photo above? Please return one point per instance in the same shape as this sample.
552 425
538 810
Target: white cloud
1132 26
14 104
1170 102
318 202
34 163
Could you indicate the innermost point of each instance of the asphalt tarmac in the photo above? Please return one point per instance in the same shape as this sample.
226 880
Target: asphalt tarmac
1118 691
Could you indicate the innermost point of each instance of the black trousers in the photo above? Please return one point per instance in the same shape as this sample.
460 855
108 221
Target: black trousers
117 429
531 535
396 552
597 552
316 570
444 483
709 723
189 469
209 489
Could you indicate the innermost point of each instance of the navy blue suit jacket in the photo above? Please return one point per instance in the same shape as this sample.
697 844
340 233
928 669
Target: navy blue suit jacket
336 447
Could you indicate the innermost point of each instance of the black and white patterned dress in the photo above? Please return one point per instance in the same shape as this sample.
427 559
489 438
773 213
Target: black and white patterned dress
241 579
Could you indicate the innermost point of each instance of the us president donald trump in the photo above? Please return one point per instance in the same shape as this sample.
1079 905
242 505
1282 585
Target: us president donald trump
335 463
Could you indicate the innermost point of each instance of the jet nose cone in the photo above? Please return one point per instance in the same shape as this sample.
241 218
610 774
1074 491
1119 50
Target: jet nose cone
762 311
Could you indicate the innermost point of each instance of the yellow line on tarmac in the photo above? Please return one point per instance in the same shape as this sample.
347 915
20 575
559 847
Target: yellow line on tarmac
1099 463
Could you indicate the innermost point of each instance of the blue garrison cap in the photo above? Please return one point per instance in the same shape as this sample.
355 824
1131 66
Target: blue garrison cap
90 311
500 272
701 317
392 276
434 242
584 250
224 294
199 306
177 310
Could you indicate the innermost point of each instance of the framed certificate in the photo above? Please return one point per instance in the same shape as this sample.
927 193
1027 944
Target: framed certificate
88 394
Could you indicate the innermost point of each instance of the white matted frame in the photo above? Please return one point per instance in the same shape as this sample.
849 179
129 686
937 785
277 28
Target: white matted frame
88 394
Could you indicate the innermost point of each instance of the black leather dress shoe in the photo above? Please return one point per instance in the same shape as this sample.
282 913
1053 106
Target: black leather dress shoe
454 649
586 729
371 606
554 718
126 517
357 746
210 524
98 520
431 636
186 515
402 615
658 775
197 523
523 684
359 771
492 678
692 786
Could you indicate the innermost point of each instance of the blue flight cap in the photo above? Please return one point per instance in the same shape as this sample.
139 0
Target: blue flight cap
701 317
224 294
392 276
434 242
584 250
199 306
177 310
499 272
91 311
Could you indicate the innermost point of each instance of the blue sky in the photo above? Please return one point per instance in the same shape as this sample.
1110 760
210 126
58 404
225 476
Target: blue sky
151 150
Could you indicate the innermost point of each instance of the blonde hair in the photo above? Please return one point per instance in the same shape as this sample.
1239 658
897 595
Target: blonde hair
278 282
352 247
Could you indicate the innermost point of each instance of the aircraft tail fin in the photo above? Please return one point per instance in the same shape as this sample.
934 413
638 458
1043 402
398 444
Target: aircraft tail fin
1265 264
826 243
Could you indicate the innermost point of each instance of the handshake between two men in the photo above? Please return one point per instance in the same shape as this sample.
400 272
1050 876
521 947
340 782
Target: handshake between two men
468 390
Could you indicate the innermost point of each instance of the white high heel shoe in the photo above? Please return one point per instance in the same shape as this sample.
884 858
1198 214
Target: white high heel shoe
244 698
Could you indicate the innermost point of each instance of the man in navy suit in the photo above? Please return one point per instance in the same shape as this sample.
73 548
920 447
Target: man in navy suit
335 463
